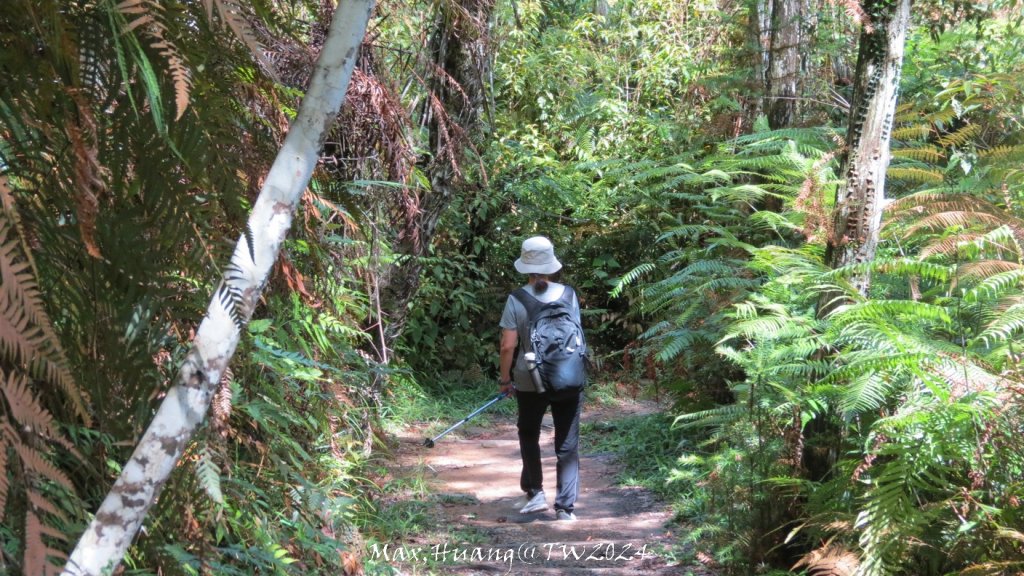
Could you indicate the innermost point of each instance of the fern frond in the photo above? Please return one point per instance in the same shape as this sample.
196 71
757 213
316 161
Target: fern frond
925 202
711 416
24 407
919 175
912 132
945 220
37 342
148 16
929 154
220 406
20 342
960 137
962 376
40 557
37 465
898 266
829 560
41 504
997 276
972 245
1010 322
631 277
866 392
234 15
208 473
763 328
677 341
896 363
1003 154
942 116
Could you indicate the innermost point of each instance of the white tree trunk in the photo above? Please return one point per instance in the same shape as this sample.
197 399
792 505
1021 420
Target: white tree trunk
104 543
859 199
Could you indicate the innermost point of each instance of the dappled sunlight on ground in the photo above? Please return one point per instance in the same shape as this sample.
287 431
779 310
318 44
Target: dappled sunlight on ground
474 476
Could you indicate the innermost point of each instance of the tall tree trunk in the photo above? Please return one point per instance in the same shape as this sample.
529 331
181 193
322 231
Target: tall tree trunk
459 50
782 80
107 538
758 23
860 198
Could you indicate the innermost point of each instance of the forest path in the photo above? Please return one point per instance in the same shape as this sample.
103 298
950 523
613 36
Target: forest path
474 481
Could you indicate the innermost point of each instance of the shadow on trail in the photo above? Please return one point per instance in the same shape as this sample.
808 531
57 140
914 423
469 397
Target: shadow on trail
474 477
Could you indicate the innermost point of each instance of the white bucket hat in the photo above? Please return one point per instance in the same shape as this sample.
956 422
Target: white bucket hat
538 257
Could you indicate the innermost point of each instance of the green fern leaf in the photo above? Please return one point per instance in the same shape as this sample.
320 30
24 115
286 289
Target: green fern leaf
961 137
918 175
208 473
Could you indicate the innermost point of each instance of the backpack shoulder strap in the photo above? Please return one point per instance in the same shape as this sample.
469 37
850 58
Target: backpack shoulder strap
567 295
531 304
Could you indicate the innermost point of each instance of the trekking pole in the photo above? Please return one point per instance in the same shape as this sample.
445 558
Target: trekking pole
429 442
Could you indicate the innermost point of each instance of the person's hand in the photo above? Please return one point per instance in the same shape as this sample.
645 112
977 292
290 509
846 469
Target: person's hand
507 388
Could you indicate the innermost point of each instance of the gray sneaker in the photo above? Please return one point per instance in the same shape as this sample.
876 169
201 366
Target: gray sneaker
536 504
565 515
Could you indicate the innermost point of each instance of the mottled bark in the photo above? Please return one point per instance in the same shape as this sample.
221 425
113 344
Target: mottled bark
460 50
758 23
107 538
859 200
783 77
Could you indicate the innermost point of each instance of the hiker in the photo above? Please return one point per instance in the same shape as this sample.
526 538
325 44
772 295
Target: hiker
538 261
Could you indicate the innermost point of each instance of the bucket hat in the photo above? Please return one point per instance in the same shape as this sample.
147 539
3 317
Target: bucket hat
538 257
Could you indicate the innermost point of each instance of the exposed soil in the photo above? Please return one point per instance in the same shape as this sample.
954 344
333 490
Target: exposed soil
475 479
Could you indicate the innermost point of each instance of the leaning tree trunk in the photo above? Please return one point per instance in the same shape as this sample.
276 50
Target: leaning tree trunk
107 538
859 200
459 63
782 80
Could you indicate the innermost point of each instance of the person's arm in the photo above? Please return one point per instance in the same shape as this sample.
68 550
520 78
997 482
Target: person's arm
509 339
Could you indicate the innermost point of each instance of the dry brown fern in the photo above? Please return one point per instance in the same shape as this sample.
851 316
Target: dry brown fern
28 471
829 560
27 338
957 218
147 15
234 16
981 269
90 175
32 367
856 12
220 414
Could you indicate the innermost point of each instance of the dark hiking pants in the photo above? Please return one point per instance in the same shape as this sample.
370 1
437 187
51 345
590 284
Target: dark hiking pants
566 415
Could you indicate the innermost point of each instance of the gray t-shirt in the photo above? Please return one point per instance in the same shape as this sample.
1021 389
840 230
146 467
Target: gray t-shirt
514 317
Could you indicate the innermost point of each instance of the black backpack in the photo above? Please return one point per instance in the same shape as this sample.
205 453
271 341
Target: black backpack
557 340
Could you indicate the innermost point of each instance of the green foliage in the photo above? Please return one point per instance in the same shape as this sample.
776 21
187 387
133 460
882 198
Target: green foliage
916 379
644 448
447 329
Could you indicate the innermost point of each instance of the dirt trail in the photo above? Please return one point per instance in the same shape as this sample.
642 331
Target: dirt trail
475 477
